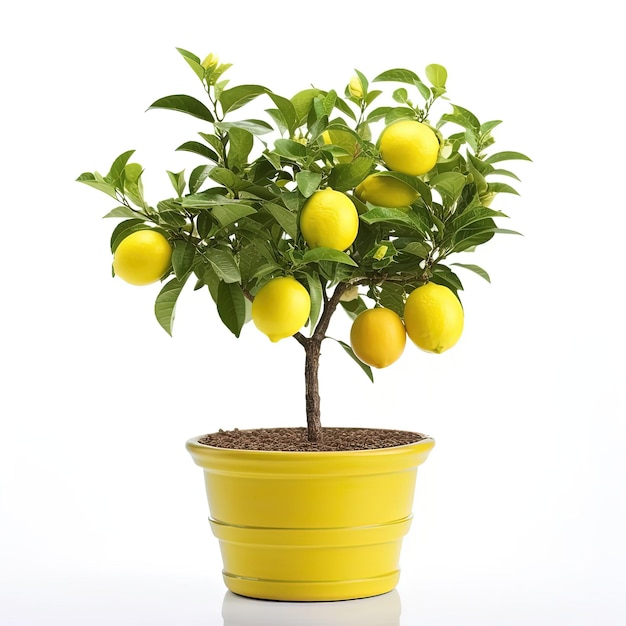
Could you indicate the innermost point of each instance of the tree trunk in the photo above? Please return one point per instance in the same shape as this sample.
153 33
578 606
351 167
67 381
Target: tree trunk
313 347
312 392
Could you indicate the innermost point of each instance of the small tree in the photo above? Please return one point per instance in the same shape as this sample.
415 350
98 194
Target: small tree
233 224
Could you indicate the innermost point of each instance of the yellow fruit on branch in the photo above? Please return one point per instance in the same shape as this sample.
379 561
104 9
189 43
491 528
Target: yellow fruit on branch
142 258
409 147
329 219
281 308
378 337
433 317
385 191
355 88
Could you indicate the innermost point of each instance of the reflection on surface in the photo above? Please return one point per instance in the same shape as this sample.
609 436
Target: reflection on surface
378 611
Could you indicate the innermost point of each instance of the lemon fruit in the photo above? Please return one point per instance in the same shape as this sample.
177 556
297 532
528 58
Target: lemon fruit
142 258
378 337
385 191
355 88
329 219
409 147
281 308
433 317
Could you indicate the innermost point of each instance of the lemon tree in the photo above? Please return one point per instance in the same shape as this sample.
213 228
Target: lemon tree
362 199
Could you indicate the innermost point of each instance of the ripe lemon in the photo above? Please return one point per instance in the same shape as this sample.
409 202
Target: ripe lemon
378 337
329 219
433 317
385 191
409 146
142 257
281 307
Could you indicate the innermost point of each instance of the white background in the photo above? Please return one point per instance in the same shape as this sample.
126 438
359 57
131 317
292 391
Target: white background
520 510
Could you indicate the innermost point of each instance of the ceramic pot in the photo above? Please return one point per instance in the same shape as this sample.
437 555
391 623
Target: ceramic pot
310 526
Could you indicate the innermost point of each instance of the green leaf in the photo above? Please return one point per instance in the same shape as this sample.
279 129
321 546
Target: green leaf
379 113
449 185
287 111
184 104
354 307
308 182
231 306
393 216
256 127
235 98
476 234
346 176
408 77
165 304
240 145
229 213
116 174
392 297
502 188
194 62
476 269
437 75
182 258
124 211
327 254
302 103
473 215
290 149
197 177
398 75
366 368
507 156
416 248
198 148
178 181
317 297
487 127
400 95
287 219
443 275
224 264
98 184
133 186
172 218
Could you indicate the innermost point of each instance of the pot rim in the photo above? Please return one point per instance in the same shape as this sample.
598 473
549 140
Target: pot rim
425 441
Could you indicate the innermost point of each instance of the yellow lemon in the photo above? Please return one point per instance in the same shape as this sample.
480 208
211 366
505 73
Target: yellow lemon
378 337
142 258
433 317
329 219
355 88
385 191
281 308
409 146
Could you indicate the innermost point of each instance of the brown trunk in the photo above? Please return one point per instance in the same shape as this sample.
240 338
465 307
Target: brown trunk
312 392
313 347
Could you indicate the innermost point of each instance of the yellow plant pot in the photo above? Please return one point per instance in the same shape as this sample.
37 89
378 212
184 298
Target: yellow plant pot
310 526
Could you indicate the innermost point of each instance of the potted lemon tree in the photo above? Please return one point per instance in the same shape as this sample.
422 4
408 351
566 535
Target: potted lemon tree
359 200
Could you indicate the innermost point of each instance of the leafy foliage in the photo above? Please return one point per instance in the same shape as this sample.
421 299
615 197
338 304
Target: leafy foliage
233 219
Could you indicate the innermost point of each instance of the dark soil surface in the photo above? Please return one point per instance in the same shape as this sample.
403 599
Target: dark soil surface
295 439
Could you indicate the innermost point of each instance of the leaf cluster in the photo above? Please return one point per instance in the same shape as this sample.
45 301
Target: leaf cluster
233 220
